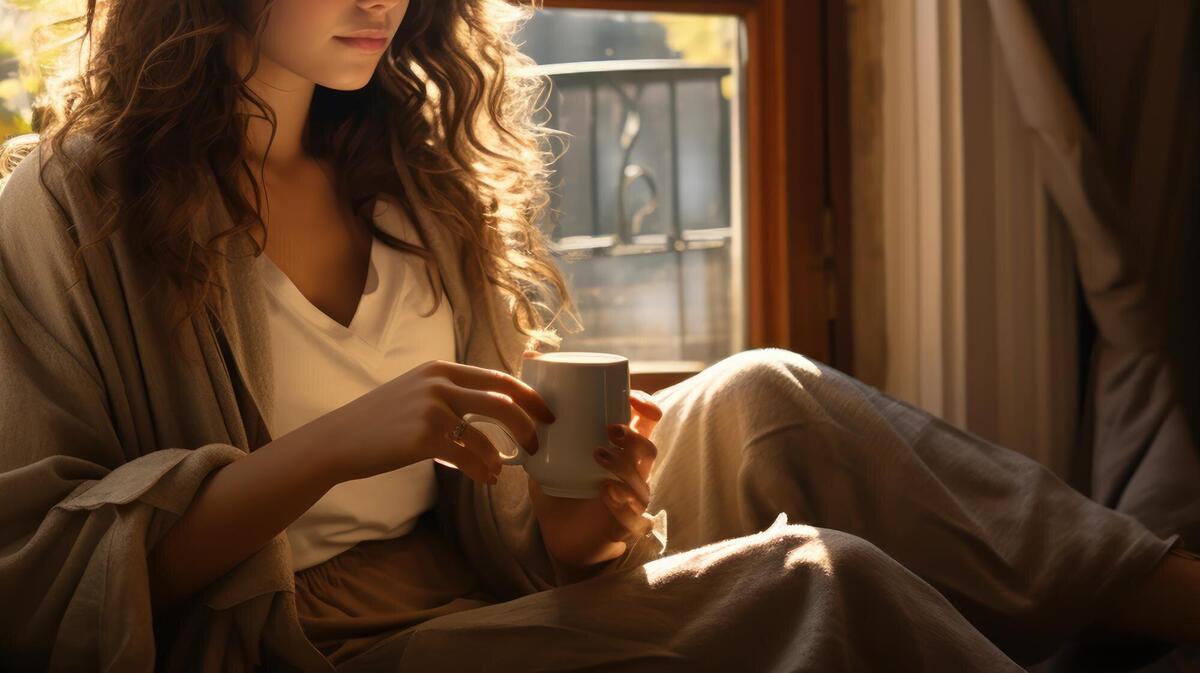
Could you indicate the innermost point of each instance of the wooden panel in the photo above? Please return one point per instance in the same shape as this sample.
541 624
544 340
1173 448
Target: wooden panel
791 174
786 97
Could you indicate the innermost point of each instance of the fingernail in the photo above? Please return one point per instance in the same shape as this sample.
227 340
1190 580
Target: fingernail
616 432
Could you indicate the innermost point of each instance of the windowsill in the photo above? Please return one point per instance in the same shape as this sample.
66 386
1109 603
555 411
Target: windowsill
654 375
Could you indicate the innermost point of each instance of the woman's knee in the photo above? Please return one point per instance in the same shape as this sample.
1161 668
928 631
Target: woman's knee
759 371
758 363
789 387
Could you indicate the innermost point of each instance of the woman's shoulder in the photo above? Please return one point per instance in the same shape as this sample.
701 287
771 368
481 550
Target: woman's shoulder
42 154
44 195
46 212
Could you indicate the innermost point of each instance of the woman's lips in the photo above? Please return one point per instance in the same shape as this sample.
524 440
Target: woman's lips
363 43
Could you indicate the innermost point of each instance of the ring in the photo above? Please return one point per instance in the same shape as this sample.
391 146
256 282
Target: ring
456 434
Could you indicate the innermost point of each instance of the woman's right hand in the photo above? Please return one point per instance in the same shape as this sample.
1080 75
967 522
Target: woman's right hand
407 419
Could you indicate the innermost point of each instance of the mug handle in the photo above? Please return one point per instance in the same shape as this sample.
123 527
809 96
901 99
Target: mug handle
511 451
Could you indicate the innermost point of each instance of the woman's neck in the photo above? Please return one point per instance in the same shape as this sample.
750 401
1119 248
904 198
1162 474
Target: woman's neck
289 96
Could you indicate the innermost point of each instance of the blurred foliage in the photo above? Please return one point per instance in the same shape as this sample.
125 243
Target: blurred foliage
703 40
34 36
14 117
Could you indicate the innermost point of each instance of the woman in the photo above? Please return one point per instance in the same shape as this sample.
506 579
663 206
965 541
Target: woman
219 445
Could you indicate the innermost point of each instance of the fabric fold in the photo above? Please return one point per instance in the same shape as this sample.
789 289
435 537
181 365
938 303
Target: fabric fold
106 440
1144 459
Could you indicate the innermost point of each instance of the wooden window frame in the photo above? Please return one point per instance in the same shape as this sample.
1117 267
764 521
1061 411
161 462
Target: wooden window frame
797 177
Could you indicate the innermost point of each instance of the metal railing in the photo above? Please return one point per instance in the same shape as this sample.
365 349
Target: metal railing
625 236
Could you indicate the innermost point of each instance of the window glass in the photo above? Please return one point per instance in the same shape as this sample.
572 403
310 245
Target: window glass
645 206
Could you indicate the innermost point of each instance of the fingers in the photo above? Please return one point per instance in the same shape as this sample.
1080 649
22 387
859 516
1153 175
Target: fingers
645 405
479 460
481 446
498 406
642 425
638 450
645 412
627 510
621 464
481 378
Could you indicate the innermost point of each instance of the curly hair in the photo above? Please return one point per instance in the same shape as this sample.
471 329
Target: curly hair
453 103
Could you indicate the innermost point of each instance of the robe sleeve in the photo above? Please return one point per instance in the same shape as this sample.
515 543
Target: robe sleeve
80 506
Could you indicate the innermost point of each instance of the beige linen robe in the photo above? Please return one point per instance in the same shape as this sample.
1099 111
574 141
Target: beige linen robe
108 435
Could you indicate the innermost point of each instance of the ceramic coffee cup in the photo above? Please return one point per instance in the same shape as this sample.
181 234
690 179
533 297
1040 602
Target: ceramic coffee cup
586 392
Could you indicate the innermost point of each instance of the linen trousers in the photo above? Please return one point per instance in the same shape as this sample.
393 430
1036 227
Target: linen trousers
815 524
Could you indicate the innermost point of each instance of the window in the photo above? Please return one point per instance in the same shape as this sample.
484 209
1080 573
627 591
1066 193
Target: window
694 220
645 215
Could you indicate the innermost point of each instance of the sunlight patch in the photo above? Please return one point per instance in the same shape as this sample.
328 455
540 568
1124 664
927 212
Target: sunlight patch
697 561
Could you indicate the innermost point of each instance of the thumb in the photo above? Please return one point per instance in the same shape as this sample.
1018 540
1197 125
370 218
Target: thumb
643 425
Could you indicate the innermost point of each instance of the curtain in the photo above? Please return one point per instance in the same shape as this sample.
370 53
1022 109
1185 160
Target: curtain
1112 93
1120 157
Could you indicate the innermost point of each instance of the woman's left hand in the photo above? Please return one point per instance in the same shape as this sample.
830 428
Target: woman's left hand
628 496
586 532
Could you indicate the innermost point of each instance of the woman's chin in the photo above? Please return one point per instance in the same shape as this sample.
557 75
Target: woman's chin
347 83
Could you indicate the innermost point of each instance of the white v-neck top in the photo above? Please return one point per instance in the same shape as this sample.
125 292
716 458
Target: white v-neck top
320 365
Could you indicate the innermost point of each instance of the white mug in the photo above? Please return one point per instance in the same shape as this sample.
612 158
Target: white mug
586 392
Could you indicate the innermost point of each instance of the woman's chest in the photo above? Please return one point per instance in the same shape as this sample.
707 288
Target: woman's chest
319 244
321 364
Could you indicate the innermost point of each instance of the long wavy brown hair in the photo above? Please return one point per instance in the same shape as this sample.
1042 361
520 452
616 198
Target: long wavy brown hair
452 103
